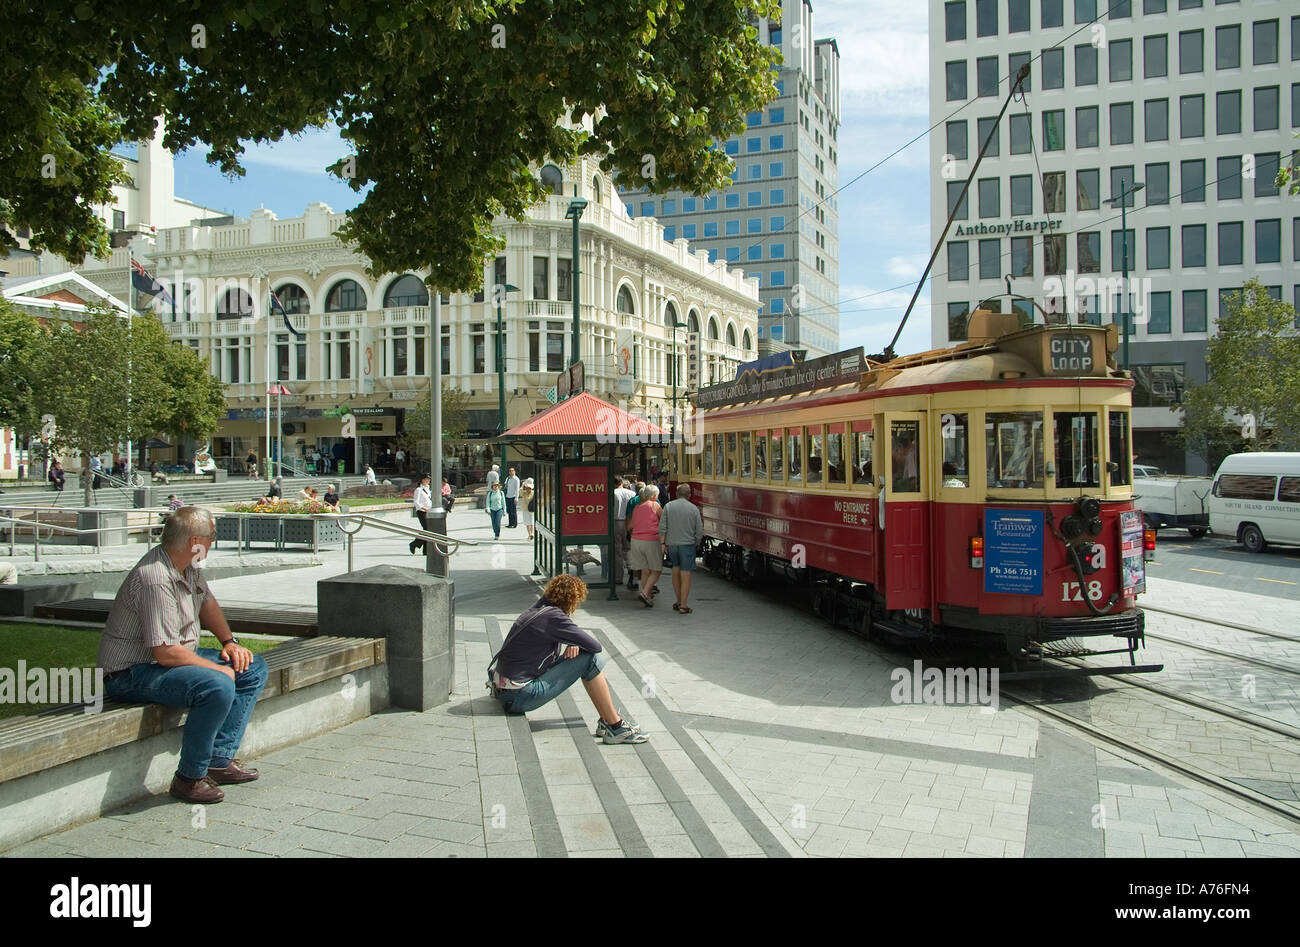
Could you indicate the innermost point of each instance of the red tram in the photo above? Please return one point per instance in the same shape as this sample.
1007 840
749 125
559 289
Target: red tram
982 492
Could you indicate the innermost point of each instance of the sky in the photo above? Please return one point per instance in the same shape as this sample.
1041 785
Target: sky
884 214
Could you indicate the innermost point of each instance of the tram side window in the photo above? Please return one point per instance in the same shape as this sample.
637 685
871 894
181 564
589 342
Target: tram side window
862 447
955 430
1014 450
1245 487
835 454
904 447
708 455
745 469
1077 452
731 454
794 450
816 455
1121 450
760 455
778 472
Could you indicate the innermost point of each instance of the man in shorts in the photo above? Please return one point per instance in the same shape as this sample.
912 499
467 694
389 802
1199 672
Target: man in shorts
681 529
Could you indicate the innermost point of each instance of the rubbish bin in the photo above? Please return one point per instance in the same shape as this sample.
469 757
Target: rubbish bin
340 465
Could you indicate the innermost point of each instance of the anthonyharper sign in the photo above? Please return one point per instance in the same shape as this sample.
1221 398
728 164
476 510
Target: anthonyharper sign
825 372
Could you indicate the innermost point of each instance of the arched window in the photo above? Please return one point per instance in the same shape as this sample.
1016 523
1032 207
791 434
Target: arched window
713 330
235 304
731 334
692 321
407 291
624 302
670 315
748 340
552 179
293 298
346 296
596 190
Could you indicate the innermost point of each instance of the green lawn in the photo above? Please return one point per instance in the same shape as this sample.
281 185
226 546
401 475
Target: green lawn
55 646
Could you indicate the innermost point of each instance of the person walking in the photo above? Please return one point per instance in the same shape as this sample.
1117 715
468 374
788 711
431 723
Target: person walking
544 655
622 493
527 500
495 503
97 470
370 476
512 499
493 475
682 530
636 487
421 504
400 457
647 552
448 498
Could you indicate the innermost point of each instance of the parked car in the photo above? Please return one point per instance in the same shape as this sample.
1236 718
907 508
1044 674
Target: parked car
1256 499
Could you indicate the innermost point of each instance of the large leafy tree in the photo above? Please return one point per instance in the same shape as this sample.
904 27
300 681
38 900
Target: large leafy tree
449 105
1252 398
23 350
455 421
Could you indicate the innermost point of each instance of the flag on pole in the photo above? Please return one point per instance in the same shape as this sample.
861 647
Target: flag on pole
278 389
277 306
144 283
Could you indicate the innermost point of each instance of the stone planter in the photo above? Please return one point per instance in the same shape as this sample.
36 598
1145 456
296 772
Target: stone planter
310 532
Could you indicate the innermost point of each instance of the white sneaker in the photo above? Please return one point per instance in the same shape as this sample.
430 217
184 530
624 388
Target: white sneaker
624 734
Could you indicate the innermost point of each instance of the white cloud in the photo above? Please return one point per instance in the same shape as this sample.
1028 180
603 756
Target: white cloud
884 54
907 267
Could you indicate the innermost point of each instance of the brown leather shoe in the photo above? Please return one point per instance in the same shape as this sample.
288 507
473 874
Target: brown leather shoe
234 773
203 791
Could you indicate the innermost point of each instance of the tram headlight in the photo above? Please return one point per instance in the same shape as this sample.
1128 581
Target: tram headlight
1072 526
1090 508
1094 526
977 552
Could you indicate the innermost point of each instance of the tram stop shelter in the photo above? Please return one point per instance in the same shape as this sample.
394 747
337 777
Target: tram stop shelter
579 446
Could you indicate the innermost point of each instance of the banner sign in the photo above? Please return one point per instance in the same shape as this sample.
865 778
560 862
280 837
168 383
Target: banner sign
1133 567
693 361
625 381
754 385
584 500
369 359
1013 552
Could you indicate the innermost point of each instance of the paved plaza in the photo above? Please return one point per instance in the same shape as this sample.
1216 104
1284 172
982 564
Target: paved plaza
772 735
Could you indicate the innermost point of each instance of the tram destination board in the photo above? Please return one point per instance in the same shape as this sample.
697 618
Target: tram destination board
1013 552
825 372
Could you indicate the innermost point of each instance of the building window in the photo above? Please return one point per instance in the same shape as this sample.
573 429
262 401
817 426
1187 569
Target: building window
1085 65
1266 166
1266 108
1155 56
1157 180
670 234
776 169
478 345
1021 135
776 252
732 228
555 346
1191 52
1089 251
1191 116
1054 262
1227 47
1194 245
732 201
1194 310
1053 66
1085 11
1121 123
990 259
1054 192
553 180
774 143
541 277
1014 62
1156 120
986 17
1022 195
987 130
955 80
1227 112
776 196
753 198
776 224
1265 36
407 291
564 279
1268 241
1158 248
990 197
336 355
754 252
294 299
1087 189
986 76
1192 181
346 296
1159 319
954 192
754 225
1158 386
688 205
1052 13
1120 57
1117 255
499 272
1022 256
958 261
954 21
958 315
1228 178
1086 127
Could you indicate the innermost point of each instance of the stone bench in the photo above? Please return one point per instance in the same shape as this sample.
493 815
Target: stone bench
63 766
31 592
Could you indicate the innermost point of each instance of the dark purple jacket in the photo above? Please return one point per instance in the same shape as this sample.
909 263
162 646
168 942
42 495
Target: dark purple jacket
530 647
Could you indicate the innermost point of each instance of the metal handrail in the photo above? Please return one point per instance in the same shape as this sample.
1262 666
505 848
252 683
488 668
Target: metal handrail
35 525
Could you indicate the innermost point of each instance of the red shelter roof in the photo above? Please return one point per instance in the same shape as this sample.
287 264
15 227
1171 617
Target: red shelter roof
584 417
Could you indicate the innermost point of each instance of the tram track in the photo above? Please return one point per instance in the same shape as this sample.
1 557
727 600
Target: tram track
1215 621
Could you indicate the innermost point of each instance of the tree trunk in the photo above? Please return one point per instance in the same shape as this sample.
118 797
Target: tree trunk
87 479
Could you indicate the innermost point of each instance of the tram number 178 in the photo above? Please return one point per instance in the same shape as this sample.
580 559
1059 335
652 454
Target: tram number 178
1073 592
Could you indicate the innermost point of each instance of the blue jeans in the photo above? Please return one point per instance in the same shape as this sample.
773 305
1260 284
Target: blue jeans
557 679
219 707
496 522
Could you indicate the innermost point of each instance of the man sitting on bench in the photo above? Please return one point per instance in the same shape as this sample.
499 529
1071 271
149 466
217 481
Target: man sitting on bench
149 652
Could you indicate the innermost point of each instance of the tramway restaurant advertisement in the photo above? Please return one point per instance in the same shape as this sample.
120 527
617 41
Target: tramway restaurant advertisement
825 372
1134 568
1013 552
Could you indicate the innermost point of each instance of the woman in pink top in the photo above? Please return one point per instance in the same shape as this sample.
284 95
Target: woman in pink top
646 552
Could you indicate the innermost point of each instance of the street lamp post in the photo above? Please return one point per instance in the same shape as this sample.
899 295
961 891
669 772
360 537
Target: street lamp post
500 293
676 326
574 213
1123 227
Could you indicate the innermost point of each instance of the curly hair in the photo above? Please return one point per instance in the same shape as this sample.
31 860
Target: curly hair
566 592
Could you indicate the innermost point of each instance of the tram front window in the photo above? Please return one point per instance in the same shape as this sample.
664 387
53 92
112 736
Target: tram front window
1121 450
955 429
906 467
1014 450
1077 457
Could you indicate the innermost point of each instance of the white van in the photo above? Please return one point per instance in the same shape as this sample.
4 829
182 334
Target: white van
1256 499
